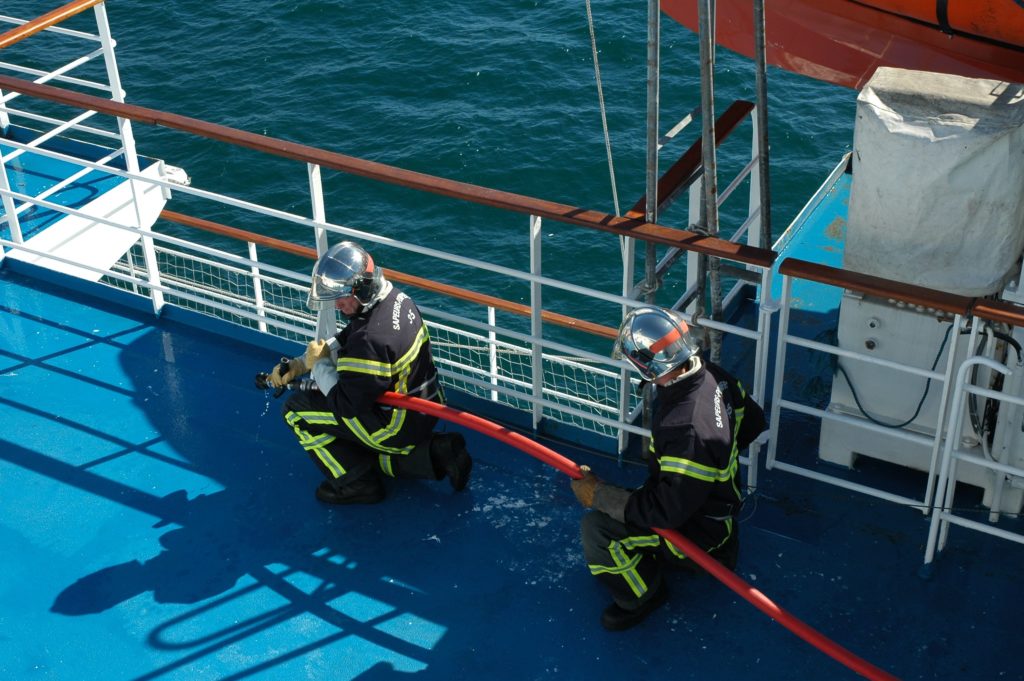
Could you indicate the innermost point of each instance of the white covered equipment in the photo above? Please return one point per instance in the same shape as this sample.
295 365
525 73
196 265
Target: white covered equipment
938 192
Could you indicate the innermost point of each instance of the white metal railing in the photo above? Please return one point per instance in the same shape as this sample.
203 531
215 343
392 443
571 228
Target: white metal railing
785 340
944 512
542 398
516 363
950 447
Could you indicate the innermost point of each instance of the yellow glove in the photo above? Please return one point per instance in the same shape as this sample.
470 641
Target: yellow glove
584 487
296 367
317 349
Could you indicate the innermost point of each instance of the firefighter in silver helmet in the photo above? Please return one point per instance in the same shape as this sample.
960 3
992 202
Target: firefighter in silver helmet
701 420
385 346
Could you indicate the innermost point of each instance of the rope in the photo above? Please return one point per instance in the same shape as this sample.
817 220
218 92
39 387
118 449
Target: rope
604 115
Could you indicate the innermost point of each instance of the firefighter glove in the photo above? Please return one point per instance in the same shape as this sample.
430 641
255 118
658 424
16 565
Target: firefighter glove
317 349
294 368
584 487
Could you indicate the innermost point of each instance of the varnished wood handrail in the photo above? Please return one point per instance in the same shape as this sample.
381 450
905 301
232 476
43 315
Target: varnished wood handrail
877 286
239 234
400 277
582 217
43 22
999 311
680 175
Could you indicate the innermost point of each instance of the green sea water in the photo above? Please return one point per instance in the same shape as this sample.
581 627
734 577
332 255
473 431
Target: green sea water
498 94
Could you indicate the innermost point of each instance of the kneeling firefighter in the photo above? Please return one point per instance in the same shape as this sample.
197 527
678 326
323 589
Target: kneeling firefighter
354 440
702 419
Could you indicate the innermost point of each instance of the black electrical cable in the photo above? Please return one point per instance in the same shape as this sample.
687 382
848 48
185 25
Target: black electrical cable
984 425
920 403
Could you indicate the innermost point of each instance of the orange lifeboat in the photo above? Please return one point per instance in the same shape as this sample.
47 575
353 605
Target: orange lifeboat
844 41
999 20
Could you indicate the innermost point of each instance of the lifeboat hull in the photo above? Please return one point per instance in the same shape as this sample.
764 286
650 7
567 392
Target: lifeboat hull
843 42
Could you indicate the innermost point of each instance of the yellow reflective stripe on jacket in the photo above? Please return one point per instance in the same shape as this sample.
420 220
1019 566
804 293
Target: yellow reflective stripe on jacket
675 464
734 456
375 368
363 366
385 465
406 360
399 372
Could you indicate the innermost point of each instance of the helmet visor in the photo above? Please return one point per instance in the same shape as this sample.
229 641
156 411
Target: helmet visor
336 273
323 291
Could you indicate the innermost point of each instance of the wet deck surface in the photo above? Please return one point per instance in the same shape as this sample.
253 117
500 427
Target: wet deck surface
157 521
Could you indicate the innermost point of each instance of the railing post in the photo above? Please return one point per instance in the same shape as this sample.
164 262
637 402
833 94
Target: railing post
705 14
5 118
943 408
695 193
257 288
9 209
326 318
761 130
536 320
780 369
754 205
627 247
130 259
764 324
492 350
124 127
946 486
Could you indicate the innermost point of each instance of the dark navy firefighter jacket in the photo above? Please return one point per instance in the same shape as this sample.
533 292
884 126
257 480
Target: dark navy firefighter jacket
699 426
385 348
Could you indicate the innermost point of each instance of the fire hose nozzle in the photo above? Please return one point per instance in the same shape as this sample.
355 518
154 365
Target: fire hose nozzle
263 383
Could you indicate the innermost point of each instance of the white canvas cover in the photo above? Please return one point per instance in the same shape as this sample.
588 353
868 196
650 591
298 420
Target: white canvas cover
937 197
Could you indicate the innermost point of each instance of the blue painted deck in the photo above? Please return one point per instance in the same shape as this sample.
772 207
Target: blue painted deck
158 521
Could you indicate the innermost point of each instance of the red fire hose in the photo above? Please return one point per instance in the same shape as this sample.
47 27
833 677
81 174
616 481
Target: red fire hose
720 572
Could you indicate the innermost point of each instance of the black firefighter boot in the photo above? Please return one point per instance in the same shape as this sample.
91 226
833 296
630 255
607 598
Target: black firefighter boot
617 618
367 489
450 458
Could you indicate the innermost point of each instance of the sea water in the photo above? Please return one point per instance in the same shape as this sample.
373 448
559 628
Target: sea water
498 94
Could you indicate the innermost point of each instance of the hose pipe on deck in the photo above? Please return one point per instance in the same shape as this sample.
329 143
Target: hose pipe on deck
712 566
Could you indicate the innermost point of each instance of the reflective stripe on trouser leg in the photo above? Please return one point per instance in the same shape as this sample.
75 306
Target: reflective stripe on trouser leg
329 444
316 445
415 464
621 558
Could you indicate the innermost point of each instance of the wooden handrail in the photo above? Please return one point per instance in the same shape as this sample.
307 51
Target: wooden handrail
239 234
43 22
629 227
877 286
683 171
999 311
400 277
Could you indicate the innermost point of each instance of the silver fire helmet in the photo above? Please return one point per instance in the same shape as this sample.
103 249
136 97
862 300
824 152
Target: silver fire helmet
346 269
654 340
